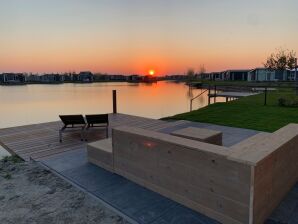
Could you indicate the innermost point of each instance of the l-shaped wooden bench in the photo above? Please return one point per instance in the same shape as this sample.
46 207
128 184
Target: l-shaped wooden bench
240 184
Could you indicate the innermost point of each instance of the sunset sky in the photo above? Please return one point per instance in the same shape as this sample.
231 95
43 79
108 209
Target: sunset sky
134 36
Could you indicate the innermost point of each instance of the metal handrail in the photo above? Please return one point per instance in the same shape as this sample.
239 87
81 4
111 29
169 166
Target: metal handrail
196 98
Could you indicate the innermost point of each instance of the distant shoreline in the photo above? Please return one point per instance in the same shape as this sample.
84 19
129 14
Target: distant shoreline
68 82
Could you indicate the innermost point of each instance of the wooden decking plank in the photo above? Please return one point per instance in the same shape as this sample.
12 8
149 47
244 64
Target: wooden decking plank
45 149
51 137
53 144
32 140
126 121
26 137
36 156
12 130
57 147
21 133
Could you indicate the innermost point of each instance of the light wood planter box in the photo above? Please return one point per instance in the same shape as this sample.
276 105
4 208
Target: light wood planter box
241 184
100 154
200 134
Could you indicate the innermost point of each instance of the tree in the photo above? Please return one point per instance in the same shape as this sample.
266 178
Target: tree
190 74
202 70
281 60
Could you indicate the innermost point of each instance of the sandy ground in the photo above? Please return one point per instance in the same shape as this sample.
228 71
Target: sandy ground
31 194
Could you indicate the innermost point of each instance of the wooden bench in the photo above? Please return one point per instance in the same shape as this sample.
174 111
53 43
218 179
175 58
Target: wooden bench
200 134
242 184
100 153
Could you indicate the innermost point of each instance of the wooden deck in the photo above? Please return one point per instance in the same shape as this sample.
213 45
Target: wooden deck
41 140
233 94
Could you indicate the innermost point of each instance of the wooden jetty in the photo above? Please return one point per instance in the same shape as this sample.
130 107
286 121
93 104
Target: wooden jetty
229 95
42 140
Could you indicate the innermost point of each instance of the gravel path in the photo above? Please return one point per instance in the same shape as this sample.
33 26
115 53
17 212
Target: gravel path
31 194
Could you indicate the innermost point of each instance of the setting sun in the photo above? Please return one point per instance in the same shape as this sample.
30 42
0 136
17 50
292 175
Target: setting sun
151 72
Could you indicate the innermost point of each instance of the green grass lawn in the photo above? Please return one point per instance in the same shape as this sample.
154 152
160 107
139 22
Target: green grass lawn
248 112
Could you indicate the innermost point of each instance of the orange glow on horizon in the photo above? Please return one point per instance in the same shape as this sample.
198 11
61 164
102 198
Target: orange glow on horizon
157 39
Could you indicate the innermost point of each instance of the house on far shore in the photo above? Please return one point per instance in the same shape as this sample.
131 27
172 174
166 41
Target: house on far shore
215 76
85 76
12 78
134 78
51 78
235 75
264 74
292 75
177 78
66 77
101 77
205 76
117 78
33 78
228 75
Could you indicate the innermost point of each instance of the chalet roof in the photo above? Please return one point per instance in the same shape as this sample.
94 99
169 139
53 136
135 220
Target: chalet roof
259 68
235 70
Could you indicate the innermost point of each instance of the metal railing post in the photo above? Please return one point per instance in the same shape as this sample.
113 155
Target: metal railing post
114 102
215 94
296 78
265 101
209 92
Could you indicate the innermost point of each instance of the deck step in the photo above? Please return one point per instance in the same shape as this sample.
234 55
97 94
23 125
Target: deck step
100 153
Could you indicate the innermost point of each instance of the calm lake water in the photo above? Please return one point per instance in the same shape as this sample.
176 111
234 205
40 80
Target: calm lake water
30 104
